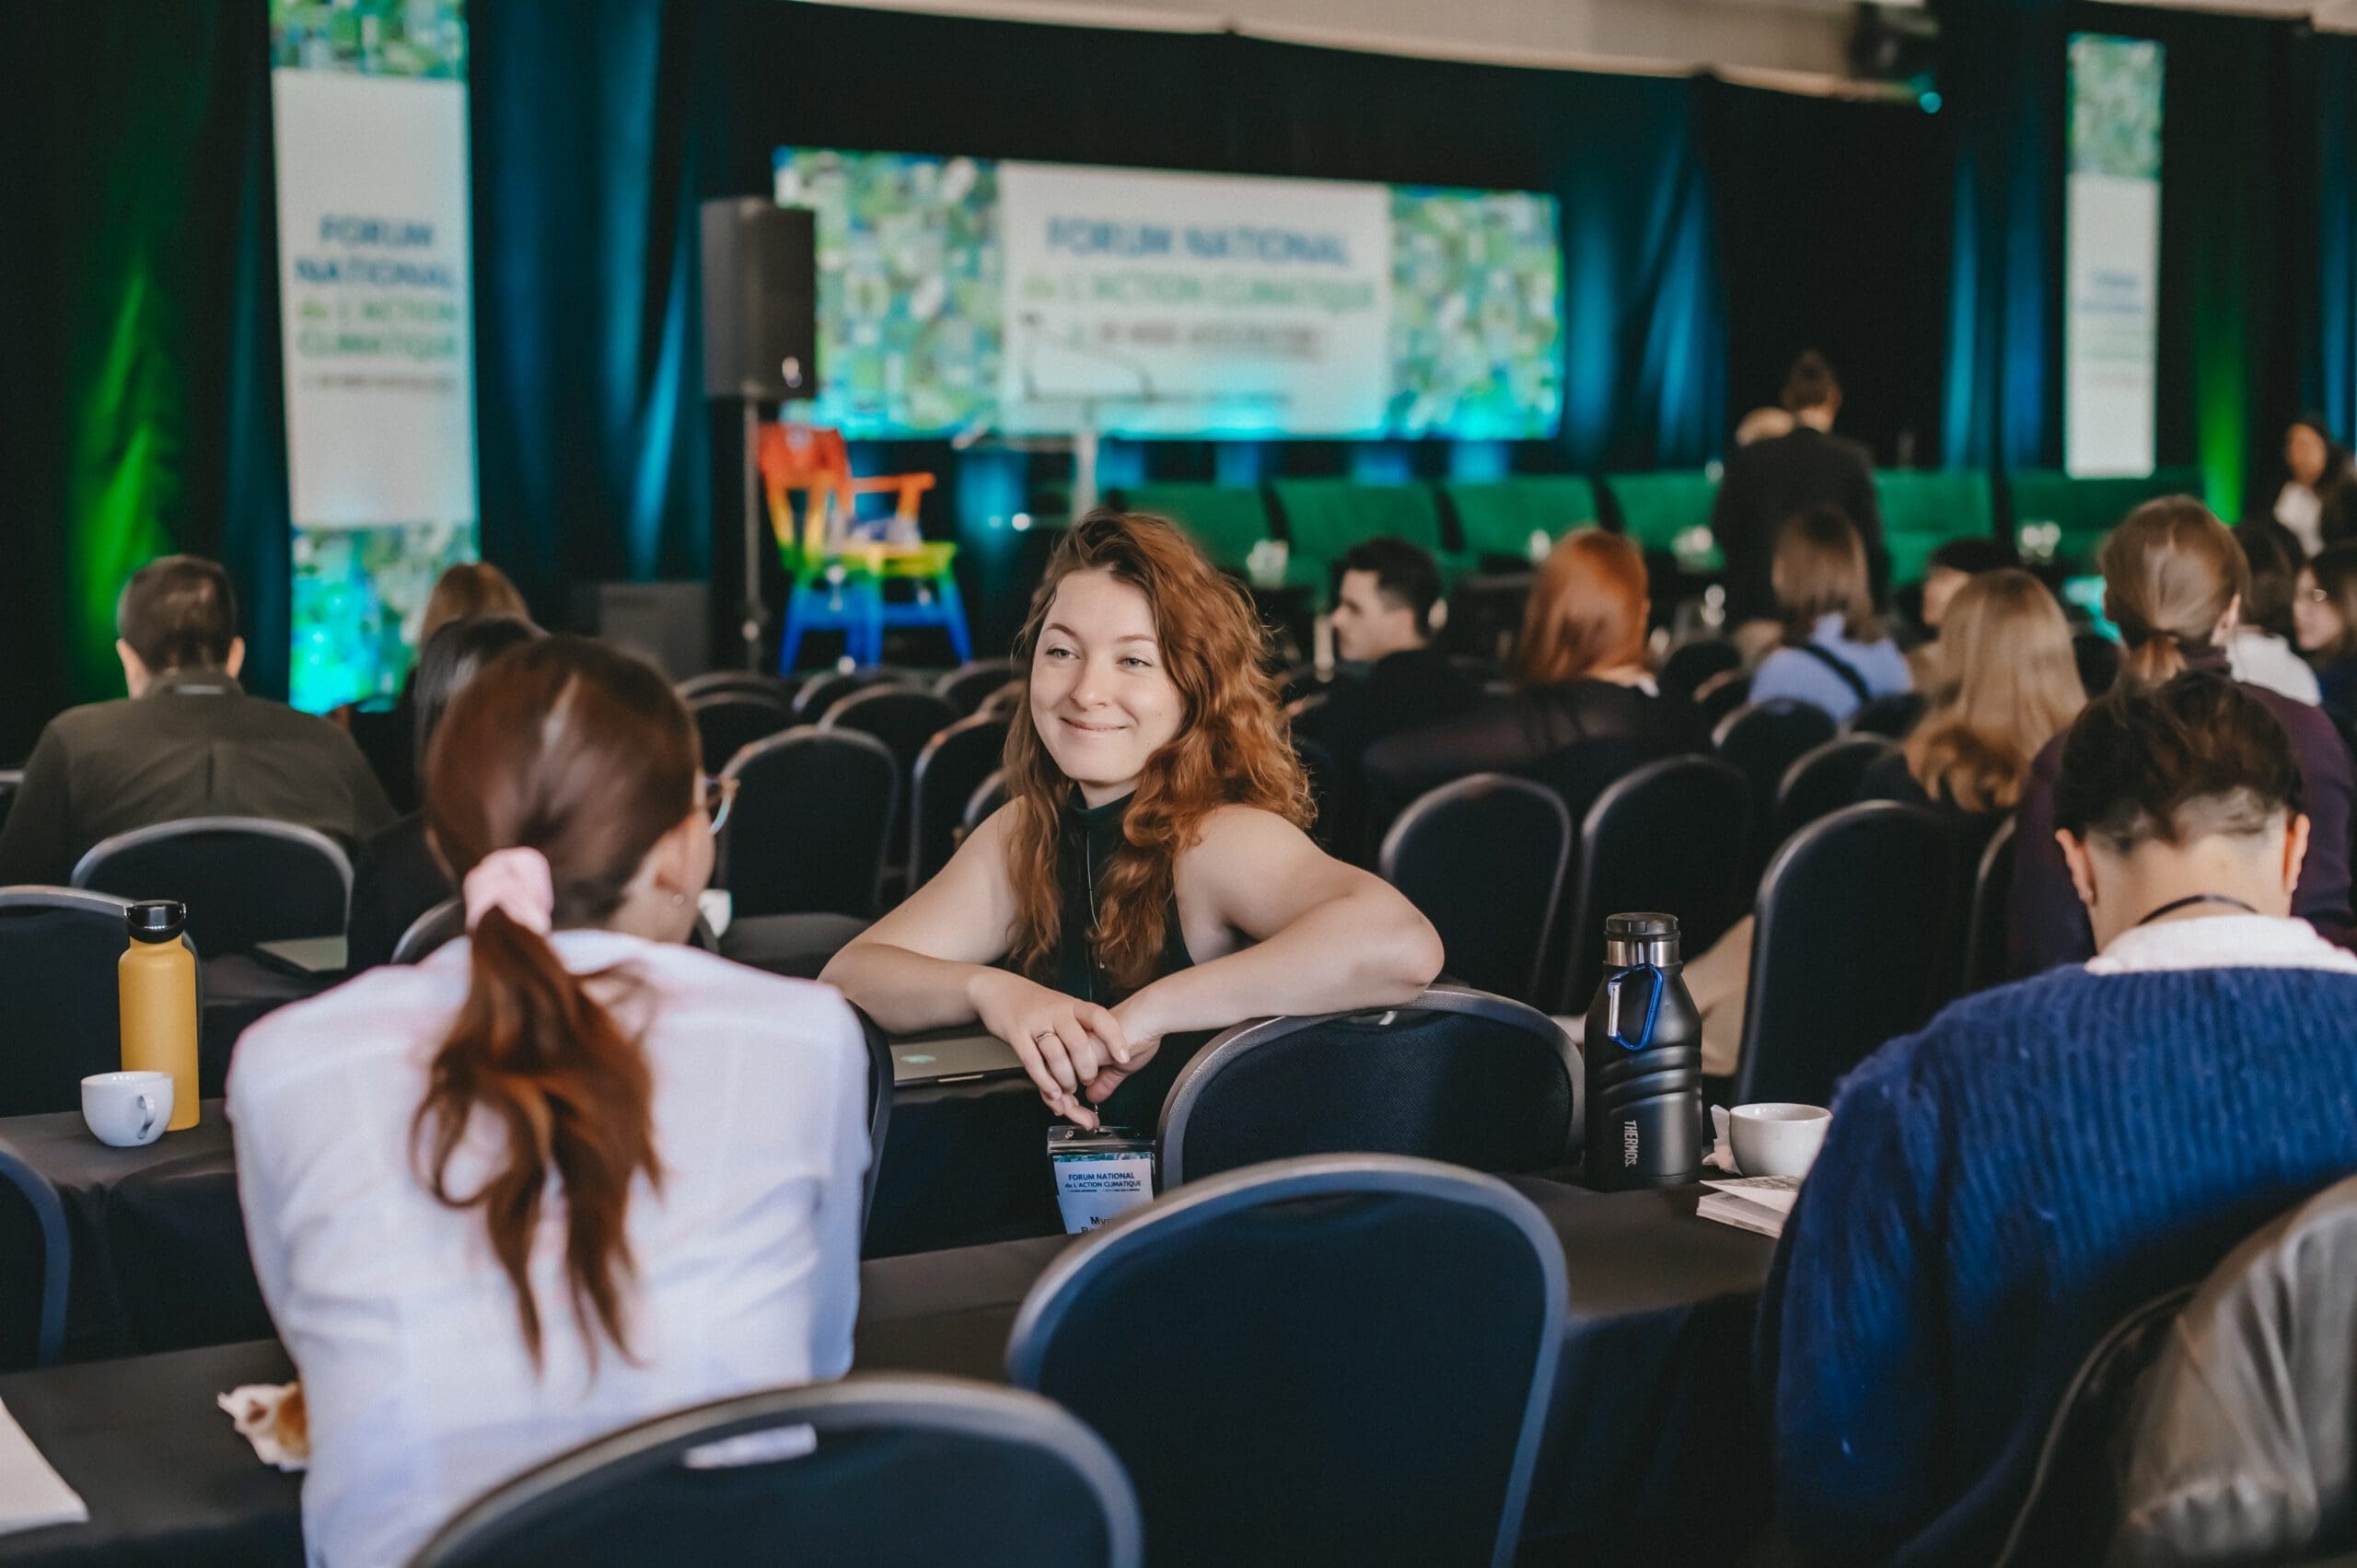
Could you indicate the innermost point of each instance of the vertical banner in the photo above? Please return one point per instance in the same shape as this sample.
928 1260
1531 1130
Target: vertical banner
369 98
2113 267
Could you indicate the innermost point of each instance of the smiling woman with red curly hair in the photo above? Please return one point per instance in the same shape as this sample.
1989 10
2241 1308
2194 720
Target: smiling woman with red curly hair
1148 874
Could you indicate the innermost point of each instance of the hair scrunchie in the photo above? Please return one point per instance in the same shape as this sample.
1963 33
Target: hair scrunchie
516 880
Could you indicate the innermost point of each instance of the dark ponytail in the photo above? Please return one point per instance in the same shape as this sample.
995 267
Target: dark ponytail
570 749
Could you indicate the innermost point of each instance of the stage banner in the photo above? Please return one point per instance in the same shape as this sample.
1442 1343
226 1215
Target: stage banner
2113 256
370 105
1182 302
961 296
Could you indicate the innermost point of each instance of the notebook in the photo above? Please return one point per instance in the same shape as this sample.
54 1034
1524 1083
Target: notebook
1759 1203
32 1495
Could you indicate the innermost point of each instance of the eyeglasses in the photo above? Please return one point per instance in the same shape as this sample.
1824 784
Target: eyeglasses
717 795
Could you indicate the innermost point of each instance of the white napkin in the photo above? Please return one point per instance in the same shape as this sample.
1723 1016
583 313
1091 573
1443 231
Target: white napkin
1721 1155
32 1494
253 1409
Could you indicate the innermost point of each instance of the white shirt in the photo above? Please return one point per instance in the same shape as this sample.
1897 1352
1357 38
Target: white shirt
2222 941
2262 658
403 1325
2298 508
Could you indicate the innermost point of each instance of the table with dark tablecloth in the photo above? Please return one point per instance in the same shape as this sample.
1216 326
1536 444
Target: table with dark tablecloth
1651 1439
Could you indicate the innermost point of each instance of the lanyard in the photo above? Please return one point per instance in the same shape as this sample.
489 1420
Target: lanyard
2192 898
1612 1008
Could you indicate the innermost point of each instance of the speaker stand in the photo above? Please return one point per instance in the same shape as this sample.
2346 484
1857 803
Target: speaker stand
755 619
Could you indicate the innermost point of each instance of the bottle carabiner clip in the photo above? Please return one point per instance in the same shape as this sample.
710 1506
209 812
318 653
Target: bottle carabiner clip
1612 1008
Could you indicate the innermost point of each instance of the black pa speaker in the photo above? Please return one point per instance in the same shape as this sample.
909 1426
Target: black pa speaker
760 301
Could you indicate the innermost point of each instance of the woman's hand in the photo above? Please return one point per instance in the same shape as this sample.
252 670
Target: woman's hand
1135 1014
1066 1044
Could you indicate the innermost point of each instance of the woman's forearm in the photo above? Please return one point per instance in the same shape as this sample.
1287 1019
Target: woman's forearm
903 990
1341 956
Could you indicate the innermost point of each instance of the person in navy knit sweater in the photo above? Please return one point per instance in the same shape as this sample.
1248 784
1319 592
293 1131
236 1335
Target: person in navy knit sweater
1999 1189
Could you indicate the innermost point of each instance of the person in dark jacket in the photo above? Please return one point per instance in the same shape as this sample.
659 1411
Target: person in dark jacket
188 742
2324 623
395 876
1770 481
1588 710
1387 605
2173 584
1998 1190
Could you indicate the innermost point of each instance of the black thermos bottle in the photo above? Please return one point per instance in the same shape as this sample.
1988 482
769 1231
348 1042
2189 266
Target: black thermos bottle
1644 1056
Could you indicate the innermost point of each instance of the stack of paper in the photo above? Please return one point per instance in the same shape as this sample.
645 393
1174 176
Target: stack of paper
31 1494
1751 1202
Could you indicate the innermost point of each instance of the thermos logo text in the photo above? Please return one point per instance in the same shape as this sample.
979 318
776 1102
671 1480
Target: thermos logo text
1628 1145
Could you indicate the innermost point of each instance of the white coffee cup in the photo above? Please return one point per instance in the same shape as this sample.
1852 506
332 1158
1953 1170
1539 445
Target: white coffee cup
1777 1138
127 1109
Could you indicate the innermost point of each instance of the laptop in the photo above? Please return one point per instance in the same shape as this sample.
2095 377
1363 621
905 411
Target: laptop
953 1055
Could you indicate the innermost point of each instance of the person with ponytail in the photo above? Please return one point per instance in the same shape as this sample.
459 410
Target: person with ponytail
2173 584
568 1173
1149 875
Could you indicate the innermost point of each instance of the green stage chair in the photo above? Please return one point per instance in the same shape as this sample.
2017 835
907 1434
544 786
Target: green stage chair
1924 508
1325 516
1496 518
1227 520
1656 509
2070 516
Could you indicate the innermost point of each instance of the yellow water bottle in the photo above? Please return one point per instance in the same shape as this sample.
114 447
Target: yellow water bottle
157 979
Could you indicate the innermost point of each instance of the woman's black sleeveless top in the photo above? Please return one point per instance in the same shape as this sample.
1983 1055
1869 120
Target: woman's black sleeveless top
1087 839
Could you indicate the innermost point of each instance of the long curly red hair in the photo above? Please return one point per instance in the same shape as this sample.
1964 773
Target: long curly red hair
1234 745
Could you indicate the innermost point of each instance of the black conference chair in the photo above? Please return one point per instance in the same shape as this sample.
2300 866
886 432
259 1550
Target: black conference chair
59 947
245 879
1890 717
2097 657
1763 740
988 797
1345 1359
1456 1074
1483 859
951 766
11 781
1004 703
821 692
446 922
811 825
1335 813
904 719
1689 665
871 1472
1822 781
971 684
1669 837
714 682
1856 945
728 721
1984 935
176 1239
38 1244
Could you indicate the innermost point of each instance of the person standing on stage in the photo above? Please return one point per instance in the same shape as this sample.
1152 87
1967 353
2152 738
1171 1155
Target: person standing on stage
1768 482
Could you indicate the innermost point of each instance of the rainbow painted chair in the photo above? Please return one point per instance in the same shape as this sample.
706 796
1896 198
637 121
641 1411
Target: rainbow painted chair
840 566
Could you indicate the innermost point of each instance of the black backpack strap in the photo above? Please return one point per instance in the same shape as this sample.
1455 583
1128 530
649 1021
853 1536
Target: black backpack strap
1841 666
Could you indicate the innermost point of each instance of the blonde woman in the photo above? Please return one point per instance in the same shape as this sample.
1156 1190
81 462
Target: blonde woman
2008 684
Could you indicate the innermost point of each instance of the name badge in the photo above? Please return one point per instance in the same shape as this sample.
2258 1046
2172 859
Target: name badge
1099 1174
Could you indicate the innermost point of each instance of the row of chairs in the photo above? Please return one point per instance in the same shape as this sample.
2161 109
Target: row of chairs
1158 1407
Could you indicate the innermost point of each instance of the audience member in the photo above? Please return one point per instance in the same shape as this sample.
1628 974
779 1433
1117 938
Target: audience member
1955 564
1148 874
1588 710
395 877
1835 651
2318 501
2008 684
1775 478
2259 651
2323 614
469 591
2173 584
2001 1188
1386 597
565 1175
188 741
